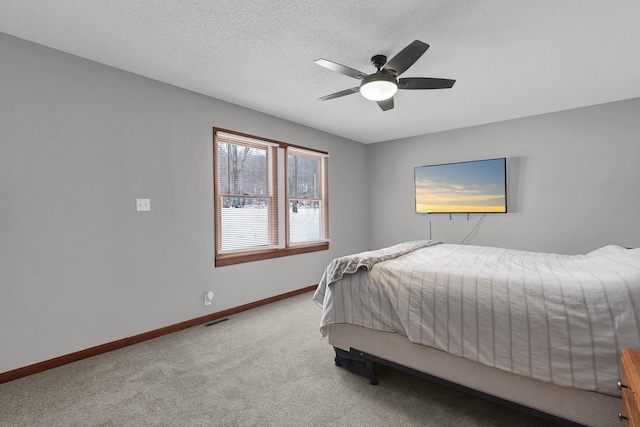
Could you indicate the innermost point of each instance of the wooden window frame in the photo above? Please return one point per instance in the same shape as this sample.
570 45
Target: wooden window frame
231 258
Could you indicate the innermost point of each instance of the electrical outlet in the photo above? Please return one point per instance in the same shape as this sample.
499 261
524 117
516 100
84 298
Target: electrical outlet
208 297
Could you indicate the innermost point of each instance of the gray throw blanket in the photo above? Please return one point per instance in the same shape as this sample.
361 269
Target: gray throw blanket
364 261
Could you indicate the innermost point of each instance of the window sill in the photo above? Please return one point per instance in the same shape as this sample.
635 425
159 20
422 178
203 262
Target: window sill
238 258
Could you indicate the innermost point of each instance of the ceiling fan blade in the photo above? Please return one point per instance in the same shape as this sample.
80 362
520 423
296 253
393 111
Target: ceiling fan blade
424 83
386 104
341 93
342 69
406 57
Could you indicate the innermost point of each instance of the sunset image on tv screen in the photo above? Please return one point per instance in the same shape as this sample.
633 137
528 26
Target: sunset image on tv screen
468 187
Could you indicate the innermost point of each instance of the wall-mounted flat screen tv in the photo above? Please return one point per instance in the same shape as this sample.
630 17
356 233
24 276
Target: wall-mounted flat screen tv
478 186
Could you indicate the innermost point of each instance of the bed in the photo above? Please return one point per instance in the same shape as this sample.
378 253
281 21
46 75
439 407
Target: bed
539 331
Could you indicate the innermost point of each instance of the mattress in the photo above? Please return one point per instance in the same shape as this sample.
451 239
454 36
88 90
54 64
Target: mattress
561 319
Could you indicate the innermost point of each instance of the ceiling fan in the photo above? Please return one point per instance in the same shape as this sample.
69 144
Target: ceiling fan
384 83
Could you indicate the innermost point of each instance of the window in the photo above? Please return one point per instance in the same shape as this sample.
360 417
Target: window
270 198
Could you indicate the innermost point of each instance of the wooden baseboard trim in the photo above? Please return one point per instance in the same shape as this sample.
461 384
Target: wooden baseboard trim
115 345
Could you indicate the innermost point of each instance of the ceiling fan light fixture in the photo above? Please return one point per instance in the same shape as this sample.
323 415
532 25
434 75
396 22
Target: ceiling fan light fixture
378 86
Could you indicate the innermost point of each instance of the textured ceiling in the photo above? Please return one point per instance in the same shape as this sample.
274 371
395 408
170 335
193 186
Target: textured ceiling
511 58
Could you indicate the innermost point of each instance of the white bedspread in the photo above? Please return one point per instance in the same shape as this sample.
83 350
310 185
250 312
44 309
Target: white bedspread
557 318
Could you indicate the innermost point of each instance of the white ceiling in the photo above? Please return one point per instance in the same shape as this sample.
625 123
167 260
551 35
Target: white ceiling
511 58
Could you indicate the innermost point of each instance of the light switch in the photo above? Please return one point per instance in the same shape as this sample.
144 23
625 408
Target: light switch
143 205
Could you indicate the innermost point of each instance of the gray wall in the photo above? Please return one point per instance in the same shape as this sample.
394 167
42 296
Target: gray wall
79 142
573 181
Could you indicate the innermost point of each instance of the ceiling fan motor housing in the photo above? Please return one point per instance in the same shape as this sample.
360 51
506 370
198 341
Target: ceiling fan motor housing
379 76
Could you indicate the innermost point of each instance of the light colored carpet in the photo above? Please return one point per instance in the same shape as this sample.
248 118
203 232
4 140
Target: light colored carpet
264 367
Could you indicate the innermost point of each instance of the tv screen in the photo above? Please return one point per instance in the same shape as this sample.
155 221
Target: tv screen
467 187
